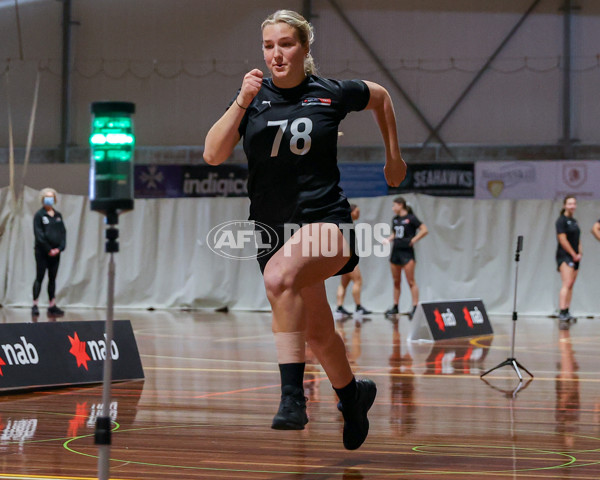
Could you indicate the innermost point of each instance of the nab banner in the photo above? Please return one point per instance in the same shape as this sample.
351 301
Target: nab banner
450 319
35 355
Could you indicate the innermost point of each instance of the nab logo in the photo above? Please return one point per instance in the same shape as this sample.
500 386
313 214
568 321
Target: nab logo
18 431
443 320
19 354
97 350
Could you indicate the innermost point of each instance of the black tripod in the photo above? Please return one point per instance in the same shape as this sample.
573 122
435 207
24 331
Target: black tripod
512 361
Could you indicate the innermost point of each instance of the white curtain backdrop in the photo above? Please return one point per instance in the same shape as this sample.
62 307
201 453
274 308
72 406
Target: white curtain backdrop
165 262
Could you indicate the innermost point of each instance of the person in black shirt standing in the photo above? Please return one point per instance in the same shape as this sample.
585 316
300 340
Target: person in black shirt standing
50 240
289 124
407 230
568 255
596 230
353 276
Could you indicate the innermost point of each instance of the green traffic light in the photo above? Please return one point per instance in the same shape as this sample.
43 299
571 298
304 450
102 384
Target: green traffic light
112 143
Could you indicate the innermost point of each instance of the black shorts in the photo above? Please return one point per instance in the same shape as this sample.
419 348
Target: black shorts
274 244
401 256
565 258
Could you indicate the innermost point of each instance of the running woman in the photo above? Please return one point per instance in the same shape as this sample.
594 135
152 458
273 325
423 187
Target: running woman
289 125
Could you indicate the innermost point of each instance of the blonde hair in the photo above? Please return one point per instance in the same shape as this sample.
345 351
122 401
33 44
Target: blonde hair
45 191
304 29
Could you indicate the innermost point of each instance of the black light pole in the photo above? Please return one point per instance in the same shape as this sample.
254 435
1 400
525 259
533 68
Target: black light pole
112 143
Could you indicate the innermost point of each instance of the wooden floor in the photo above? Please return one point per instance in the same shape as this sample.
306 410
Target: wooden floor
212 387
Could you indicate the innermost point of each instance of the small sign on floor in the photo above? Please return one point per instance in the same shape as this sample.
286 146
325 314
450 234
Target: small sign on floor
449 319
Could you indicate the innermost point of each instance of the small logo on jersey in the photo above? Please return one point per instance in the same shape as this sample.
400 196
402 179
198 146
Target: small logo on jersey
316 101
45 220
266 102
241 239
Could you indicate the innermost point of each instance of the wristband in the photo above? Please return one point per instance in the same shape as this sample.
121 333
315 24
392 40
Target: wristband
237 103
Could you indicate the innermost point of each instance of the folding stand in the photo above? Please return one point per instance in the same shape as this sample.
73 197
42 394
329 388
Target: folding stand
512 361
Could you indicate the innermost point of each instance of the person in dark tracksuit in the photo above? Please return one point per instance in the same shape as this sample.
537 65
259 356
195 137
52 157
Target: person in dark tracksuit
50 240
289 125
568 255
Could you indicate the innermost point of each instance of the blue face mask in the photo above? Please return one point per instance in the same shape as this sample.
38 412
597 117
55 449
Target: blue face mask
49 201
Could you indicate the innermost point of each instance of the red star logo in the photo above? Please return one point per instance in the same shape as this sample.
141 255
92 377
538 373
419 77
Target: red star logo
78 350
468 318
439 320
1 363
78 420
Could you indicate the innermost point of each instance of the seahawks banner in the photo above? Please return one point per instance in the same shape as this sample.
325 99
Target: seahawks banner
36 355
449 319
442 179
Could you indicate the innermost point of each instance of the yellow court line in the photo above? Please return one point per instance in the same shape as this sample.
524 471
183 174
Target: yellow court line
10 476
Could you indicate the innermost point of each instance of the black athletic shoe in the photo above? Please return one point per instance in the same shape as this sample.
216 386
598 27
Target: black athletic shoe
292 410
392 311
411 314
362 311
54 311
356 423
566 317
35 311
342 311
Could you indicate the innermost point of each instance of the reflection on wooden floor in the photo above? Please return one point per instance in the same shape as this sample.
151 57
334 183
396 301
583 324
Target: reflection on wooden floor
212 387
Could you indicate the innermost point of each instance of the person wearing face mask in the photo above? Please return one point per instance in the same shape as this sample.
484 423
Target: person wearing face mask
50 240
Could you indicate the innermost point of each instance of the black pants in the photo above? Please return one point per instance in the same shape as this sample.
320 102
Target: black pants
44 262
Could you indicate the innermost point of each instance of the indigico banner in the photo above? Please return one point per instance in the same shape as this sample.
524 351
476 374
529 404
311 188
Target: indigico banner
450 319
36 355
176 181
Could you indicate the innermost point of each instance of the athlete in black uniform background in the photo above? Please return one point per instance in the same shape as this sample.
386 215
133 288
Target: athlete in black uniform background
289 123
596 230
50 239
354 276
568 255
407 230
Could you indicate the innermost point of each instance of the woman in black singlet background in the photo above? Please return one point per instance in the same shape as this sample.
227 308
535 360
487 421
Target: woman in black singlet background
596 230
568 255
289 125
407 230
